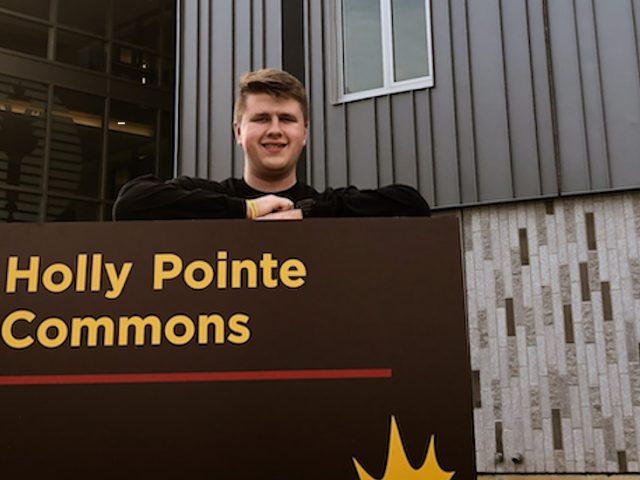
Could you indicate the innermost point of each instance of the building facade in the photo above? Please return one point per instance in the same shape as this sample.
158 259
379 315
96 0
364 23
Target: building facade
86 103
521 117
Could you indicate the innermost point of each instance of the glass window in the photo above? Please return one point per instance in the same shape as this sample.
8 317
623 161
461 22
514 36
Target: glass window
38 8
138 22
362 39
384 46
89 15
166 145
409 39
19 206
76 143
169 31
81 50
22 131
131 144
23 36
134 64
71 210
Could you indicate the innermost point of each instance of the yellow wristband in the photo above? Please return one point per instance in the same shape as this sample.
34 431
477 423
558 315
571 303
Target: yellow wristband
252 209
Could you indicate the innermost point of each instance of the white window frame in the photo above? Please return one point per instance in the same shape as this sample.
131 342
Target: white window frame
390 86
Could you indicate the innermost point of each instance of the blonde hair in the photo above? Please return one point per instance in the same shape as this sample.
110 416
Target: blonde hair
274 82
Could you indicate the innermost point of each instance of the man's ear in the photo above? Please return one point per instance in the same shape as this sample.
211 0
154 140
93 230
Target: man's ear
306 133
236 131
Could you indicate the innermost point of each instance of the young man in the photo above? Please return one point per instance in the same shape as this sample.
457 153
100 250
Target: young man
270 123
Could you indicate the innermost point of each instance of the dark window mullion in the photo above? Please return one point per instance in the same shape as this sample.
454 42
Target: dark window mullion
47 155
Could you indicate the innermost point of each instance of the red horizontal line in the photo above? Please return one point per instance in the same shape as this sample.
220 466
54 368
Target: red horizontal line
186 377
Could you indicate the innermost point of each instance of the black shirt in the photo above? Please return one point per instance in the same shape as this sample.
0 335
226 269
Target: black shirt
149 198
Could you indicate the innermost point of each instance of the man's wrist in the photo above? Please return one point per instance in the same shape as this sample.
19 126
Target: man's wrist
252 209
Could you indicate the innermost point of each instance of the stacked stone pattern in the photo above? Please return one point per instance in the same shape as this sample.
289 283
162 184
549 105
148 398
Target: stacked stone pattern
553 296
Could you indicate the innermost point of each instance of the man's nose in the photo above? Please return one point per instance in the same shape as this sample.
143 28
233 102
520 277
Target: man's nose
274 127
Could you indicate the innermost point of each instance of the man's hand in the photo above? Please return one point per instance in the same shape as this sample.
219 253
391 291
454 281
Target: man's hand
295 214
268 204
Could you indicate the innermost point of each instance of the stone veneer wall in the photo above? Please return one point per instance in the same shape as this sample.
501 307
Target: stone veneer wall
553 291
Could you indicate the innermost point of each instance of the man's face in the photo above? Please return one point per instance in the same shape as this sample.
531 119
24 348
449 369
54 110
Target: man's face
272 133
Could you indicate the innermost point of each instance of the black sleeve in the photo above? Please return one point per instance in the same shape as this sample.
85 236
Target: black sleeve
149 198
390 201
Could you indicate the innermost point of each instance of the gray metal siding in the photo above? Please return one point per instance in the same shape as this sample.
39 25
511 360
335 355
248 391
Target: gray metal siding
485 132
220 40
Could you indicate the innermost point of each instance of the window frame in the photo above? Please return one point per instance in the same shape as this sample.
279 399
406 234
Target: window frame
390 86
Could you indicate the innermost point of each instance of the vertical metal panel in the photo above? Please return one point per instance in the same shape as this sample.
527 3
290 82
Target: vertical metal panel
487 73
361 125
594 114
384 141
404 139
547 160
241 60
317 95
273 33
202 126
188 88
424 145
444 109
464 104
336 135
222 88
257 33
621 89
524 148
575 175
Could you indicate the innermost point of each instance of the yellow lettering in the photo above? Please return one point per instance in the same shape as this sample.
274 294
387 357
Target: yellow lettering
139 324
292 273
7 329
66 277
170 330
96 272
238 325
159 272
268 264
30 275
81 267
236 273
204 321
117 280
92 325
60 336
222 269
190 277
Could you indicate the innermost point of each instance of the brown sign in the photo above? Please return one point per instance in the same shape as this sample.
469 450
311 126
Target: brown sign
321 349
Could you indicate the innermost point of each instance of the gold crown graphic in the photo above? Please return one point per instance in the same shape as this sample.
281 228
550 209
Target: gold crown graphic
398 466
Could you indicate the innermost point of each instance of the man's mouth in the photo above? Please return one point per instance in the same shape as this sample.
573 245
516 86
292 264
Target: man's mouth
274 147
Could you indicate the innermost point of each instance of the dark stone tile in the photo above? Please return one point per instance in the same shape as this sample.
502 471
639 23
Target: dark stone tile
548 206
568 324
524 246
584 282
499 444
475 384
511 322
607 310
556 423
622 462
591 230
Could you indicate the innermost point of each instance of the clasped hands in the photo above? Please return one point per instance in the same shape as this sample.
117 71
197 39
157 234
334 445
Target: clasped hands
272 207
